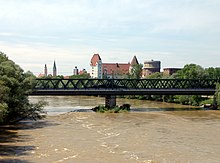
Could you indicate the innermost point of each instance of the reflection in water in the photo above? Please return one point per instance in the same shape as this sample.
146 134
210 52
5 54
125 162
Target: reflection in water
133 137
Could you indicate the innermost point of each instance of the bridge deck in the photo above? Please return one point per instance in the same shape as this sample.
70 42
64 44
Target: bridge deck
73 92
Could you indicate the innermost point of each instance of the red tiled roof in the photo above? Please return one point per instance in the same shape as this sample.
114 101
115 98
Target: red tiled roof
82 72
66 77
95 59
115 68
40 75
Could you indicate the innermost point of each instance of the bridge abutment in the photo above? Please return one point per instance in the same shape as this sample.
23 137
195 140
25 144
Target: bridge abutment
110 101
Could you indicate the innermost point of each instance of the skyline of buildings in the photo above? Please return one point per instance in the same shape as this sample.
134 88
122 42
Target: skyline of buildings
98 69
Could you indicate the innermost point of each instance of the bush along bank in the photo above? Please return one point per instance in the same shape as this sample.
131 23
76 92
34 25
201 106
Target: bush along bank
116 109
210 102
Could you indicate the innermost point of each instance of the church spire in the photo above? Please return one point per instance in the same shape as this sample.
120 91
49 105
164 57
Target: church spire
54 69
134 61
45 70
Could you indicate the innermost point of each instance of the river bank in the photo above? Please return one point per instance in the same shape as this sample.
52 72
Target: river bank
174 137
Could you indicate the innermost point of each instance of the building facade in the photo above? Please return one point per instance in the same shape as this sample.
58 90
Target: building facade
96 66
170 71
150 67
110 70
75 71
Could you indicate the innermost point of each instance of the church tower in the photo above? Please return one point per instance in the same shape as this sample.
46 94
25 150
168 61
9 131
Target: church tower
134 62
54 69
45 70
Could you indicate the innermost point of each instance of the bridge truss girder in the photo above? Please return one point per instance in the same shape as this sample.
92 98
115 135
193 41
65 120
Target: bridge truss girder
125 86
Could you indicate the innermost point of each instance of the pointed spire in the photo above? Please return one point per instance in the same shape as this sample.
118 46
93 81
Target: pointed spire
134 61
54 69
45 70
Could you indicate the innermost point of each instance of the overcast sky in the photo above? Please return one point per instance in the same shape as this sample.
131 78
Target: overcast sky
176 32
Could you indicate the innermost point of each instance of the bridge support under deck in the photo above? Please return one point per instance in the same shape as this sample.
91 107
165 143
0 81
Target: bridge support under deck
110 101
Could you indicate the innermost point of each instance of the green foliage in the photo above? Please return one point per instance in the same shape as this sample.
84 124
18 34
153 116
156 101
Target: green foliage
212 73
168 98
136 71
156 75
116 109
191 71
14 87
193 100
206 101
82 76
141 97
217 95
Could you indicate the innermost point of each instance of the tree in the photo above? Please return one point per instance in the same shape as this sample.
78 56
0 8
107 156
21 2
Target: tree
217 95
15 85
191 71
212 73
81 76
136 71
156 75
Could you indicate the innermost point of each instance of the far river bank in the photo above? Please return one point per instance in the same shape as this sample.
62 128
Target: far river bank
62 104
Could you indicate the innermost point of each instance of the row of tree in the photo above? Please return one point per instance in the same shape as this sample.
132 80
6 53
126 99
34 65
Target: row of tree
190 71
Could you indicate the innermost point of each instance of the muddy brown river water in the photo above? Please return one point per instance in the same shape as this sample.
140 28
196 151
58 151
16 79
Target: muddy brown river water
133 137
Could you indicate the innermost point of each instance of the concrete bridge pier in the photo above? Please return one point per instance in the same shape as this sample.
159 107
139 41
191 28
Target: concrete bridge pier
215 105
110 101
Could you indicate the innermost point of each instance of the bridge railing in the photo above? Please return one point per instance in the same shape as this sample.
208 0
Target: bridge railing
42 83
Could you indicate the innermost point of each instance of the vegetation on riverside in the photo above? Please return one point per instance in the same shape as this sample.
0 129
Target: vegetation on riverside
15 85
80 76
116 109
193 71
190 71
217 95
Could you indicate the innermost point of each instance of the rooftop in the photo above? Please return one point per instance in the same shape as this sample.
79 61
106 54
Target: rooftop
95 59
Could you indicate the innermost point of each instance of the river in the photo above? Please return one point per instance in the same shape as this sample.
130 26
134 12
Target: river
146 135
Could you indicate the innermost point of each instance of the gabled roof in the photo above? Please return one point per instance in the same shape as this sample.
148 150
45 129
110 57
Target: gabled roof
95 59
134 61
115 68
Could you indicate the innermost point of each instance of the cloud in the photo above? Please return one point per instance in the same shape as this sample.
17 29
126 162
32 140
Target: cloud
115 17
156 15
70 31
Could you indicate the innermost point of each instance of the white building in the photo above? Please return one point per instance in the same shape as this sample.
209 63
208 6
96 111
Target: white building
96 67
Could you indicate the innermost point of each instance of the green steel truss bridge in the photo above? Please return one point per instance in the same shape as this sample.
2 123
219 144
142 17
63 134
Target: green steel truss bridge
114 87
